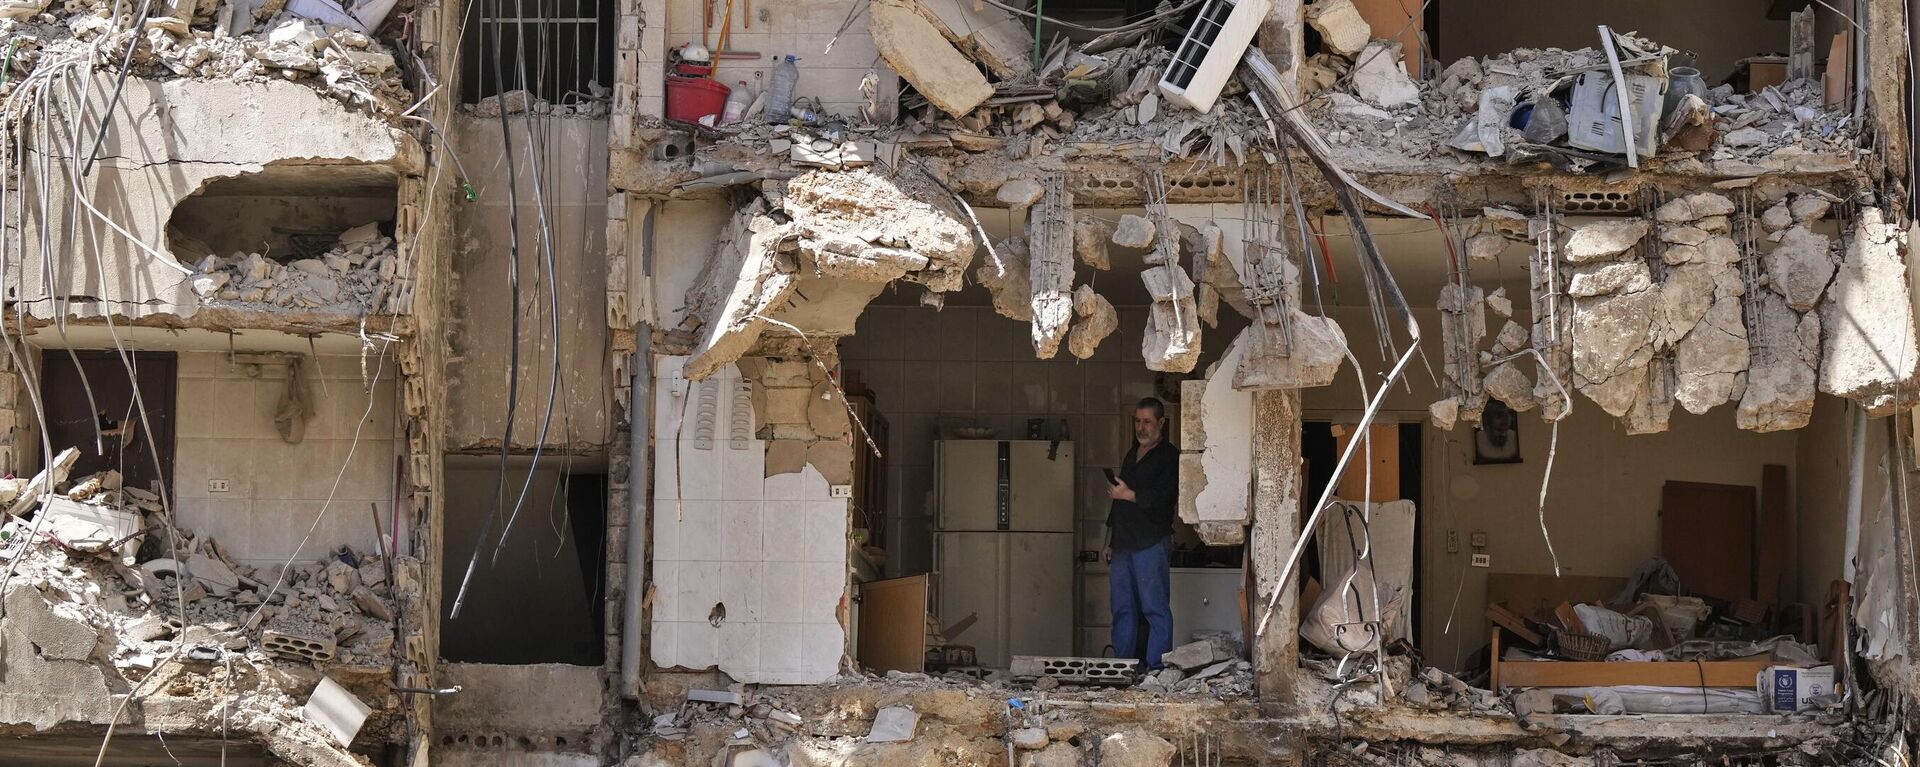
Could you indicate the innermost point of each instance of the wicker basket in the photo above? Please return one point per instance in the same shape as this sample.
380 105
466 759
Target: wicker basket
1581 646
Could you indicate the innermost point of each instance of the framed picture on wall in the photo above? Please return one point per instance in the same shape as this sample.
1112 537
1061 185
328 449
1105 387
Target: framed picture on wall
1497 438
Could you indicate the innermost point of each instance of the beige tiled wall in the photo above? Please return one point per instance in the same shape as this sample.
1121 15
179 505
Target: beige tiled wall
278 491
802 28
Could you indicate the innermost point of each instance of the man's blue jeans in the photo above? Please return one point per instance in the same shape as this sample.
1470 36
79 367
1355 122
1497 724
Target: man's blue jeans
1137 582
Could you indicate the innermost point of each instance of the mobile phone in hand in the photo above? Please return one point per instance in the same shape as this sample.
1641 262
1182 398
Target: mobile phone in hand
1111 479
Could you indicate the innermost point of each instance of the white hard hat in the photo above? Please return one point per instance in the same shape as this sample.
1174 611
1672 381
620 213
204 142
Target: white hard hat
695 52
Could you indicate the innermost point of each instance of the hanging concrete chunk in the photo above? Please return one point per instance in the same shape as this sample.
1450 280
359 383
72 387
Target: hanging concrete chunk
1095 319
1013 289
1133 232
1090 236
1777 217
1867 348
1800 267
922 56
1811 207
1603 239
1612 345
739 286
1340 25
1710 363
1171 343
1050 266
1782 381
1310 356
1485 246
1508 383
1019 194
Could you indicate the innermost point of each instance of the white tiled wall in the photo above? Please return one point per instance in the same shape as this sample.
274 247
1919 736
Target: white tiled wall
772 550
277 490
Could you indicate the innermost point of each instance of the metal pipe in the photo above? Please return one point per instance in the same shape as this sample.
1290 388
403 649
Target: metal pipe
1856 479
640 424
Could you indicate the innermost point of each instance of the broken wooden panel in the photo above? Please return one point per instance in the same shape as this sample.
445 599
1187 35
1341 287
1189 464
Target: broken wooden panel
1050 266
914 47
1217 459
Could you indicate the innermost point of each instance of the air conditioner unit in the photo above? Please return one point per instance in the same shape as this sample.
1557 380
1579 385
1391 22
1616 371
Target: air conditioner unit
1210 50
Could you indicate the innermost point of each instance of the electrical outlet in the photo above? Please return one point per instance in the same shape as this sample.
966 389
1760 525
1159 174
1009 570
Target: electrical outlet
219 485
1483 560
840 491
1453 541
1478 539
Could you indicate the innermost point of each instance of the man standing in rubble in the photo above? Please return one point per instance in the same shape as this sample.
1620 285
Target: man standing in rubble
1139 532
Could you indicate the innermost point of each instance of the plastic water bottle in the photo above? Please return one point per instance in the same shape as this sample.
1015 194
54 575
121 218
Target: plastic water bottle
786 75
737 102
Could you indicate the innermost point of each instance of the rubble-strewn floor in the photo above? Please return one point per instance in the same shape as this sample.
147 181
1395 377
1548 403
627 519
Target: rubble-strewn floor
354 277
178 638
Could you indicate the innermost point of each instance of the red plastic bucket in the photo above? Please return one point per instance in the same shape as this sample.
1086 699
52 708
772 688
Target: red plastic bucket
691 98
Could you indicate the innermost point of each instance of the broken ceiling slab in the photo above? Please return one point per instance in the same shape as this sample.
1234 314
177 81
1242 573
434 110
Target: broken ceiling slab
989 35
740 285
87 527
917 50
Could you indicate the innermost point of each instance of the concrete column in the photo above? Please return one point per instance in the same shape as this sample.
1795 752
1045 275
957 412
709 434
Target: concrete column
1276 528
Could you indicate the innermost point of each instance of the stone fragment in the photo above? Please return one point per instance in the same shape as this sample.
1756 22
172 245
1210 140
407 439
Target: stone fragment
1030 738
1133 232
1380 78
1808 208
1612 343
370 604
1603 239
1693 207
1867 346
1019 193
1095 319
1190 656
1610 278
1485 246
1783 377
1012 289
1710 363
1135 748
1341 28
1507 383
1444 414
1512 338
1744 137
915 49
1777 217
1171 343
1499 304
1683 235
1800 267
1090 237
1310 357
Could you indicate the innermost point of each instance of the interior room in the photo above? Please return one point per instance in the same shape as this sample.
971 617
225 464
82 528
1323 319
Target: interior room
947 386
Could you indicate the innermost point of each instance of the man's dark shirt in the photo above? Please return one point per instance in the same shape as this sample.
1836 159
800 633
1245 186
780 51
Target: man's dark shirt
1155 479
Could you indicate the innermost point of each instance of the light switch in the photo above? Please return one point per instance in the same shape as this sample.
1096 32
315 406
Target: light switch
219 485
840 491
1483 560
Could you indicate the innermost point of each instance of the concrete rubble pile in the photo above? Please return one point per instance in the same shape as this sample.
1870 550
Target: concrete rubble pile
1514 108
210 39
106 594
353 277
522 102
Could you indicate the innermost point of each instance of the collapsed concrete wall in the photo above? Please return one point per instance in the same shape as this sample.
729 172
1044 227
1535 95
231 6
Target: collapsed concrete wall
147 166
1700 304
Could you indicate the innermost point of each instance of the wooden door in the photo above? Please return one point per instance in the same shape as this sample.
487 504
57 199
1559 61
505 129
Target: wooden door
893 624
1706 533
124 443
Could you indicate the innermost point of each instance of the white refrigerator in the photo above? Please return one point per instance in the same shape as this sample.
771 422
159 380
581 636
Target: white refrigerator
1003 546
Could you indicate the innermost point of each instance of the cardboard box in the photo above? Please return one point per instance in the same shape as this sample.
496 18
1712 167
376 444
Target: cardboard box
1788 689
1594 122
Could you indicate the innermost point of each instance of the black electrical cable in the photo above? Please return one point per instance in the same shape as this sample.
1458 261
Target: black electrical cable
126 65
513 337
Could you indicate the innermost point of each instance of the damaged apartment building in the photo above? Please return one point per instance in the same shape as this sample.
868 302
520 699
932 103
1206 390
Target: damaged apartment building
661 382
